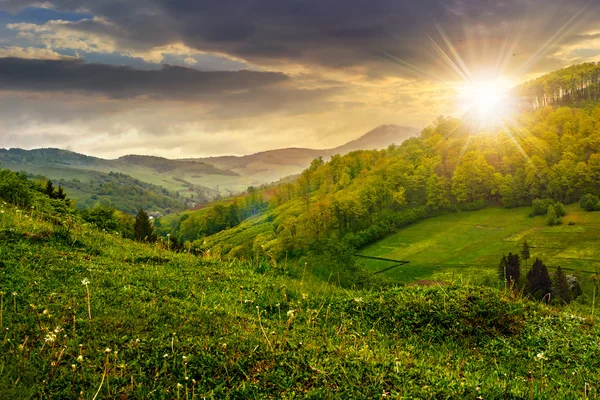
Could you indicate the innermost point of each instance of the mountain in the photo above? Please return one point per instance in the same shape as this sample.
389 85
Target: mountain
82 176
272 165
198 179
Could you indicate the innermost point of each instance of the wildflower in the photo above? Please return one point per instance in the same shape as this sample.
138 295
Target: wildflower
85 282
108 350
14 293
74 367
58 329
358 299
50 337
184 358
80 358
291 313
540 356
165 355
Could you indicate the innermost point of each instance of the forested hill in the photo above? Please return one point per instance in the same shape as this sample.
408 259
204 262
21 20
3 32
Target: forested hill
573 86
363 196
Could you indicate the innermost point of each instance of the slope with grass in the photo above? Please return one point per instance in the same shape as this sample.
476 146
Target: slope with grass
470 244
86 314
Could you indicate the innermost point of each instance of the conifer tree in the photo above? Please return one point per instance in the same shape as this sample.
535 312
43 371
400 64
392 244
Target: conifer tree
143 229
561 286
539 282
525 252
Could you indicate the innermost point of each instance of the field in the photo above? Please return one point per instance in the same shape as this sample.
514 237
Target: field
469 245
86 314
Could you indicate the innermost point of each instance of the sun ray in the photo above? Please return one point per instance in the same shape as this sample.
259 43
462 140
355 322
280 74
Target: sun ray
449 61
557 35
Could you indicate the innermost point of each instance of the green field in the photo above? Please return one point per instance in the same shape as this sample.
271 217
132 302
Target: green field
469 245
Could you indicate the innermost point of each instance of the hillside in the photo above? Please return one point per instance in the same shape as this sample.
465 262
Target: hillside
272 165
58 165
125 193
468 245
550 157
86 313
200 180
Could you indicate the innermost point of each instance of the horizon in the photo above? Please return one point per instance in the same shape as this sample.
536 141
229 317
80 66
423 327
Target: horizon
92 78
416 130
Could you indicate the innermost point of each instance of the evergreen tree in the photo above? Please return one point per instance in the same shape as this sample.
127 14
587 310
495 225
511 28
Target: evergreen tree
143 229
50 189
509 268
539 283
561 286
525 252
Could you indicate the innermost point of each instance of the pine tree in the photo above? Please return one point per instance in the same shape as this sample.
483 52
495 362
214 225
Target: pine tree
539 282
143 229
525 252
502 269
50 189
513 268
561 286
509 269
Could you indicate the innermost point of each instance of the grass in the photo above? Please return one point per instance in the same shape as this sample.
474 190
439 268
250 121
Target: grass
468 245
173 325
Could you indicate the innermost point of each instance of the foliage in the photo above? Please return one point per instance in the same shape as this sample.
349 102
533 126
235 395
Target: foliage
178 325
589 202
509 269
538 279
561 288
553 218
365 195
143 230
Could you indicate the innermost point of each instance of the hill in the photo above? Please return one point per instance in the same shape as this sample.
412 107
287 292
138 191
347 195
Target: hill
172 175
198 180
273 165
86 313
545 159
468 245
123 192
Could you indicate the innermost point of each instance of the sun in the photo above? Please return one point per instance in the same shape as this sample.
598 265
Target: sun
485 99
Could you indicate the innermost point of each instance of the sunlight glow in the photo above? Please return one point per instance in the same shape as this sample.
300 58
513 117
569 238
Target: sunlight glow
486 99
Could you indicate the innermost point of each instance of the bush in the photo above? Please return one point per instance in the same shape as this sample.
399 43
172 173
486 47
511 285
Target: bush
540 206
589 202
553 218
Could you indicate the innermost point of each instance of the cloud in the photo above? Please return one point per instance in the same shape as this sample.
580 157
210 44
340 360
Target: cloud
294 35
170 82
29 53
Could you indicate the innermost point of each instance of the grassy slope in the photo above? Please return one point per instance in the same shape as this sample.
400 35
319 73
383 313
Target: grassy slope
469 244
310 341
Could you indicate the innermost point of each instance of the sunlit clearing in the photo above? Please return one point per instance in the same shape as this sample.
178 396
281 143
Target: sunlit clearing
486 100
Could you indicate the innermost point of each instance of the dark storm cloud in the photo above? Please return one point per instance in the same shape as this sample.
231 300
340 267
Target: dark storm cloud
170 82
332 33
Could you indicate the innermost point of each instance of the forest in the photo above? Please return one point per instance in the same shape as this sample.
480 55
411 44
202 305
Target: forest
577 85
546 158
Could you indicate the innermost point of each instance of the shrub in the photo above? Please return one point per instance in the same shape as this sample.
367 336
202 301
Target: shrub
589 202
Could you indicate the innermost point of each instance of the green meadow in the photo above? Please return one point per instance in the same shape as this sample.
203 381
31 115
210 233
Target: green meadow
469 245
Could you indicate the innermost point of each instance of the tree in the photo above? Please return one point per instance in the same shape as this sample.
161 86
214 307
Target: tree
561 286
588 202
525 252
552 219
509 269
143 229
437 193
538 279
50 189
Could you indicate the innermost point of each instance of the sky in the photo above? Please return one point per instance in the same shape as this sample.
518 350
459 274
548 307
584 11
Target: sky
194 78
